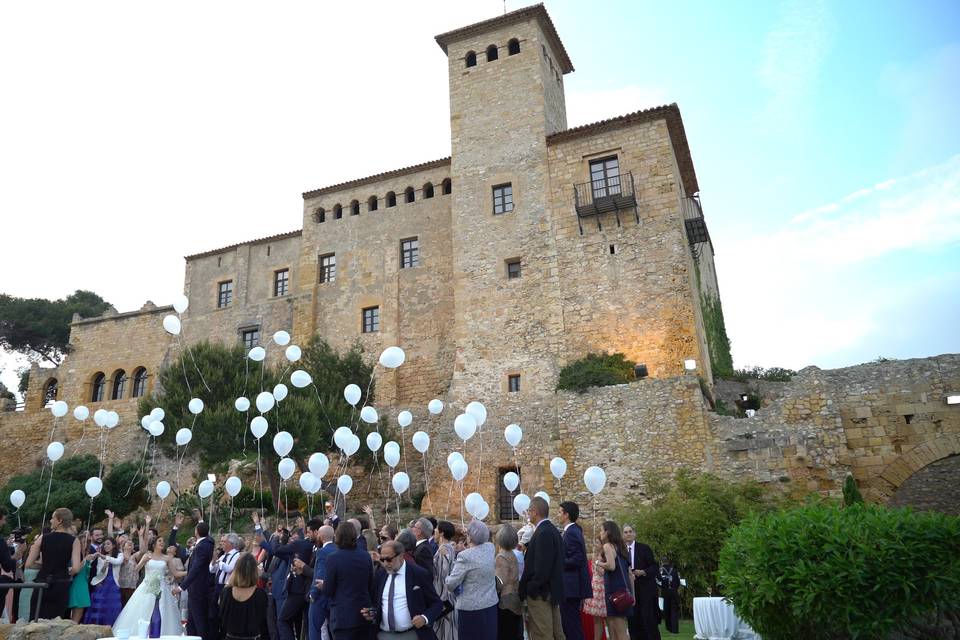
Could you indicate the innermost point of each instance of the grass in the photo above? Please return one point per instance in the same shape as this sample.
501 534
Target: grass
687 631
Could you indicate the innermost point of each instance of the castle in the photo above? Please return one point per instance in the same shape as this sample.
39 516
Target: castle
531 246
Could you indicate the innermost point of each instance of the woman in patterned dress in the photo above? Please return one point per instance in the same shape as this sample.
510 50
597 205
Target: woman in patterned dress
596 606
443 559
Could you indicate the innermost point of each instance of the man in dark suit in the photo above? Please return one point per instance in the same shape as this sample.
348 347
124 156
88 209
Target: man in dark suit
576 578
299 553
198 585
319 606
423 554
644 624
407 601
541 584
348 585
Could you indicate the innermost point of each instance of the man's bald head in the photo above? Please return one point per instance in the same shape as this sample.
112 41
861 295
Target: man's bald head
326 534
540 507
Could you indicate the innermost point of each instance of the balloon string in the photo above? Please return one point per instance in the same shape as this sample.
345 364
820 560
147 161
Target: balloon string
461 504
426 488
83 434
259 478
160 510
480 467
183 367
49 485
231 514
143 461
320 402
190 352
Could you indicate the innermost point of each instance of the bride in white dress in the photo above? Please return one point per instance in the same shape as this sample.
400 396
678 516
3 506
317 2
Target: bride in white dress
155 588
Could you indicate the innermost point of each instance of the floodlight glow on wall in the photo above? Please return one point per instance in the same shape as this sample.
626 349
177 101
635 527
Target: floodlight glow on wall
211 477
690 365
953 399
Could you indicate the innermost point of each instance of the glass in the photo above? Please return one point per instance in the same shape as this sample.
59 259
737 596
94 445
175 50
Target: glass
385 560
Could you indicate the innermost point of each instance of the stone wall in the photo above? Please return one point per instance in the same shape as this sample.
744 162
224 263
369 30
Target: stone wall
54 630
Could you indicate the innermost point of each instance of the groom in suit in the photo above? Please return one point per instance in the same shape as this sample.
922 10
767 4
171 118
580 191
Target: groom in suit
197 584
576 579
541 583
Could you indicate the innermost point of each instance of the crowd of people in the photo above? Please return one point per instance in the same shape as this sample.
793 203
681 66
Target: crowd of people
334 579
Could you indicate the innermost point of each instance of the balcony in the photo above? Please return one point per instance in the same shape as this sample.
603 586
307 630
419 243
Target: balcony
694 223
613 193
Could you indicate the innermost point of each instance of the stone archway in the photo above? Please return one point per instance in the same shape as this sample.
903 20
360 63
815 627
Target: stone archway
919 474
936 487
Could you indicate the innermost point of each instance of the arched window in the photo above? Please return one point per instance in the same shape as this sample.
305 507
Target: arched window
99 387
513 47
119 385
446 187
354 208
49 392
320 215
408 195
337 211
391 199
139 382
428 190
491 53
471 59
372 203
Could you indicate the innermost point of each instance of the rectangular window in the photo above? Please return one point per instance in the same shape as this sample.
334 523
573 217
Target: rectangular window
251 338
281 282
505 497
328 268
605 177
224 294
409 253
371 319
513 269
502 198
513 383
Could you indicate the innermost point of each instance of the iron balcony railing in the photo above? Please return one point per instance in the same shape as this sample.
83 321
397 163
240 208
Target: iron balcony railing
611 193
696 226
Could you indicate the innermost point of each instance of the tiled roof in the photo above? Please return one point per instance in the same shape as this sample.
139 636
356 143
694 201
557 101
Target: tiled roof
670 113
520 15
279 236
377 177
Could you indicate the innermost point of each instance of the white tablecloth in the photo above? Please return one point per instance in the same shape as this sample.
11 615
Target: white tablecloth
715 619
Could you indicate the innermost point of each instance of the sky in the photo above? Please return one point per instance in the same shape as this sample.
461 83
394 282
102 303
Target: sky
825 138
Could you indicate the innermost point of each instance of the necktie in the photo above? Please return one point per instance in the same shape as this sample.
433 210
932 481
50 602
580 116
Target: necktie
391 621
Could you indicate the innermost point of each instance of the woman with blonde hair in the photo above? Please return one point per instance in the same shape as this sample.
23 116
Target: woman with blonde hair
57 556
243 605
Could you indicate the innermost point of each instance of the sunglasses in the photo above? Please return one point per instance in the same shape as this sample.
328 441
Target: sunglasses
385 559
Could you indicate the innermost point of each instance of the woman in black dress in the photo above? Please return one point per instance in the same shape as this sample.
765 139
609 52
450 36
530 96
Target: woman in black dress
616 567
243 606
57 556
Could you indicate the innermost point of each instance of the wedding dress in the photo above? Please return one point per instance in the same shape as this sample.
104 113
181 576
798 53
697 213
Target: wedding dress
153 595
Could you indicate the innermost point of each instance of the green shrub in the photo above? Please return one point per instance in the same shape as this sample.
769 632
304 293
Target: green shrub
821 571
851 493
596 370
773 374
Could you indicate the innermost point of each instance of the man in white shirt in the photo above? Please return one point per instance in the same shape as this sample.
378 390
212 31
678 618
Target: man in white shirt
407 600
223 566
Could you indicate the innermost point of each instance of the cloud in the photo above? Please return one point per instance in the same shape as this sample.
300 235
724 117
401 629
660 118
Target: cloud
584 107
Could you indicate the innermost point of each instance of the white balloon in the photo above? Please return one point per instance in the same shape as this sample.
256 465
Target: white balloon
17 497
473 502
404 418
156 429
319 463
265 401
369 415
317 484
81 413
205 490
595 478
542 494
113 419
513 434
54 451
158 413
307 480
435 406
280 392
171 324
401 482
93 486
241 404
482 512
353 445
300 379
283 443
184 436
391 457
195 406
454 455
293 353
180 304
257 354
282 338
59 409
511 480
558 467
344 484
421 441
478 411
459 468
100 417
342 436
351 393
521 502
374 440
163 489
286 467
392 357
232 486
258 427
146 421
392 446
465 425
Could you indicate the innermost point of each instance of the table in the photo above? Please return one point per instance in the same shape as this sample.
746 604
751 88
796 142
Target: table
715 619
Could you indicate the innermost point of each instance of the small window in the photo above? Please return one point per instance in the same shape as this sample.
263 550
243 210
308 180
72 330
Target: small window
513 383
281 282
328 268
428 190
372 203
337 212
50 392
492 53
224 294
371 319
119 385
99 387
502 198
513 269
250 338
513 47
139 382
505 497
391 199
320 215
605 177
446 187
408 195
613 249
354 208
409 253
219 261
471 59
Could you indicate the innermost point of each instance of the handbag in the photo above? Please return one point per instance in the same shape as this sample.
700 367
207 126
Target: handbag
622 599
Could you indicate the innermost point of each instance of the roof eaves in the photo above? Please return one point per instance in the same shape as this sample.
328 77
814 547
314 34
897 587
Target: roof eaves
423 166
279 236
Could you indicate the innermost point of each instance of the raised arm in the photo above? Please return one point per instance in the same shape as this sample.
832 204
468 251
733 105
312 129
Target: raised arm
373 523
109 515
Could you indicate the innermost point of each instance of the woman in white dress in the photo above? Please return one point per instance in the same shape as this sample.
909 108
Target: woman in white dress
153 600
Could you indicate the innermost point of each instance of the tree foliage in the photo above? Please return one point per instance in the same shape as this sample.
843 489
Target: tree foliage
851 493
596 370
824 572
39 328
772 374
